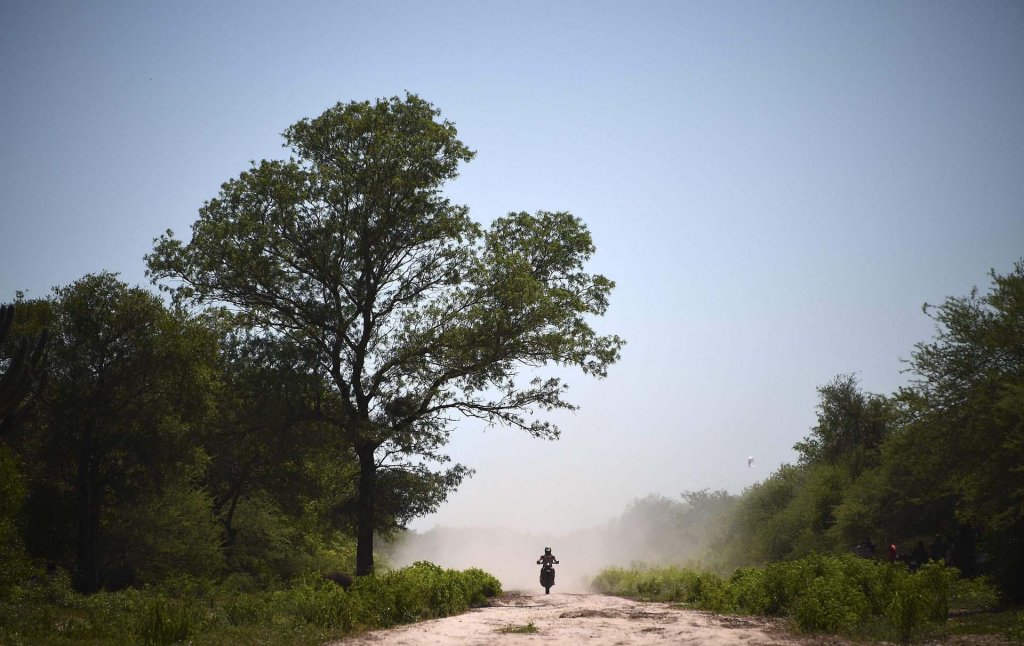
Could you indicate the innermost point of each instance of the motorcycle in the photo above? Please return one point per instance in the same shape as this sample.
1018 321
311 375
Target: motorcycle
547 576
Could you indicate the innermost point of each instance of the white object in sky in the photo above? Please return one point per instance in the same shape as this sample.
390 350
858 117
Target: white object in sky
750 462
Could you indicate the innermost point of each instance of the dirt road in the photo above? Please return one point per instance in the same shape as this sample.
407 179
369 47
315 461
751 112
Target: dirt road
581 618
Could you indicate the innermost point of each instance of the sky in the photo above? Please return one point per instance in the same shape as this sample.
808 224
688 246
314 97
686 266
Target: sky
775 187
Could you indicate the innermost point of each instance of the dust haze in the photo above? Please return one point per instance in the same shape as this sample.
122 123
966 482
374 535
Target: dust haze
654 530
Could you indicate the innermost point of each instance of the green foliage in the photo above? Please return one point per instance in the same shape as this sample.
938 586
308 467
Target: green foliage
127 381
996 622
15 565
765 520
156 452
805 509
1016 631
830 605
516 629
851 425
22 372
166 621
965 424
265 544
323 604
479 586
919 599
833 594
973 593
276 471
941 456
412 311
310 610
679 585
168 533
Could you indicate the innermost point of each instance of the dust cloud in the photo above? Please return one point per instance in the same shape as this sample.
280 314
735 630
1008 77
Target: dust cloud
653 530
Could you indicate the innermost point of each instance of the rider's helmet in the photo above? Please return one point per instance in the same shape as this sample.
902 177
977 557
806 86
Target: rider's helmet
547 550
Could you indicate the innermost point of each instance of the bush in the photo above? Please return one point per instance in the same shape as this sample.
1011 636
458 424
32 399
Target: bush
748 592
836 594
480 586
311 610
165 621
702 589
316 602
830 604
243 609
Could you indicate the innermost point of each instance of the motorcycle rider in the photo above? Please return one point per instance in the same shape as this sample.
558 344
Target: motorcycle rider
546 562
548 558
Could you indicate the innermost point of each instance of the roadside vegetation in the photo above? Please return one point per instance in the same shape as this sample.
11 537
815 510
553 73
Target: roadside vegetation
840 594
518 629
309 610
925 485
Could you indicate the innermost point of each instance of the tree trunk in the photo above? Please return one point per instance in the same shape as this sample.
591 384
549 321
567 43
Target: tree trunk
365 510
87 539
229 531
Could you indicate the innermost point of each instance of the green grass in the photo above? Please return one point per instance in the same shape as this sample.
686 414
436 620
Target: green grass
513 628
1007 623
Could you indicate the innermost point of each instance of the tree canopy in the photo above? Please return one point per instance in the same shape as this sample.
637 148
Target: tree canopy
127 379
415 313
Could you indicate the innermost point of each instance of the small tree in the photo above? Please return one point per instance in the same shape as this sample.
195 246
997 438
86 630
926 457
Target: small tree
417 315
851 425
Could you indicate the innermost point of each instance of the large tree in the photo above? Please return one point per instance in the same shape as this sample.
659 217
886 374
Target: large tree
417 314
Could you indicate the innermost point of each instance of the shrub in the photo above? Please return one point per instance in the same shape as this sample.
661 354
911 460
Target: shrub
165 621
375 601
313 601
830 604
480 586
837 594
783 583
311 610
748 592
243 609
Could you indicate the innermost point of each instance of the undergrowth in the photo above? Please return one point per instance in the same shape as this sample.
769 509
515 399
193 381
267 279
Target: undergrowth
309 610
841 594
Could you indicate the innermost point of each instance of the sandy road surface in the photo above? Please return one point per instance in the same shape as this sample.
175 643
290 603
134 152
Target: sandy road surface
581 618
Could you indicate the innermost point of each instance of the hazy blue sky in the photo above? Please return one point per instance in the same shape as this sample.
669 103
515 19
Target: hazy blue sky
776 187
